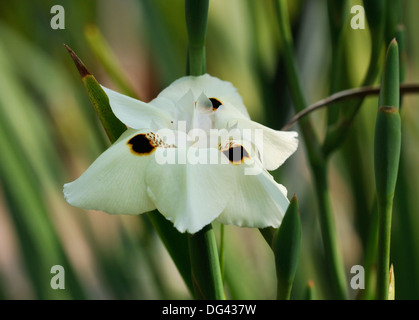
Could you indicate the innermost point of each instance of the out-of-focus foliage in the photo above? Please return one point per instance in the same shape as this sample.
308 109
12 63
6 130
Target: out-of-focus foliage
49 134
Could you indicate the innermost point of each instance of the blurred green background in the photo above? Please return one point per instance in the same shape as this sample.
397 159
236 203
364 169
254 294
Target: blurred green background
49 135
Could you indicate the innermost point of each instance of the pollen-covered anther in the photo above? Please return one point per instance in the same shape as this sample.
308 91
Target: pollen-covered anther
235 153
146 143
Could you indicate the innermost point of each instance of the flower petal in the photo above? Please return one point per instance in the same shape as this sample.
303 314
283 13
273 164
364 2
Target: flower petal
180 110
190 193
115 182
258 200
137 114
274 146
224 92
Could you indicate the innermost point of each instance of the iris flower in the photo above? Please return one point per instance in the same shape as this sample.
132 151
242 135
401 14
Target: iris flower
193 154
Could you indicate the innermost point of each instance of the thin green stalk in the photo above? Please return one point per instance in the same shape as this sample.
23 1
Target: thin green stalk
222 247
287 247
384 241
316 158
176 245
113 127
294 84
38 243
196 13
206 272
370 257
375 11
334 260
338 15
406 202
387 145
355 93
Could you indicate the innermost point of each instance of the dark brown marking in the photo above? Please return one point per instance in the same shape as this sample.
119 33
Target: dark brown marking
141 144
387 109
215 103
236 154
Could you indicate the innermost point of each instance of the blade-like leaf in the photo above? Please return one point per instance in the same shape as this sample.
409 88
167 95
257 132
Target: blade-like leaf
286 247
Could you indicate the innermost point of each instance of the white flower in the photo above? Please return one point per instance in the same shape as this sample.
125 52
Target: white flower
207 176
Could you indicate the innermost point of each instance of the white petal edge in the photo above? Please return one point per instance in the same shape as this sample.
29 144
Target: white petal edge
258 202
135 113
115 182
274 146
211 86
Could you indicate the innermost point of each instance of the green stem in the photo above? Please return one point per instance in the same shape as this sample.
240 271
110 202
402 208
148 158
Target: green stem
283 290
287 247
222 241
338 129
316 157
294 84
354 93
327 224
196 60
338 13
196 13
387 145
206 272
384 240
370 257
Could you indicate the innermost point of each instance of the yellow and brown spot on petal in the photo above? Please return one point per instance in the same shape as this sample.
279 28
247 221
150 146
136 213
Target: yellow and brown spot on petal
145 143
235 153
215 103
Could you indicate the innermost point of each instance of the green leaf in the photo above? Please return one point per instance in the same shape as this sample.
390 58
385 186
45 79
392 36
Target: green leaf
338 20
286 247
376 13
176 244
401 41
22 182
100 101
39 242
393 18
316 156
